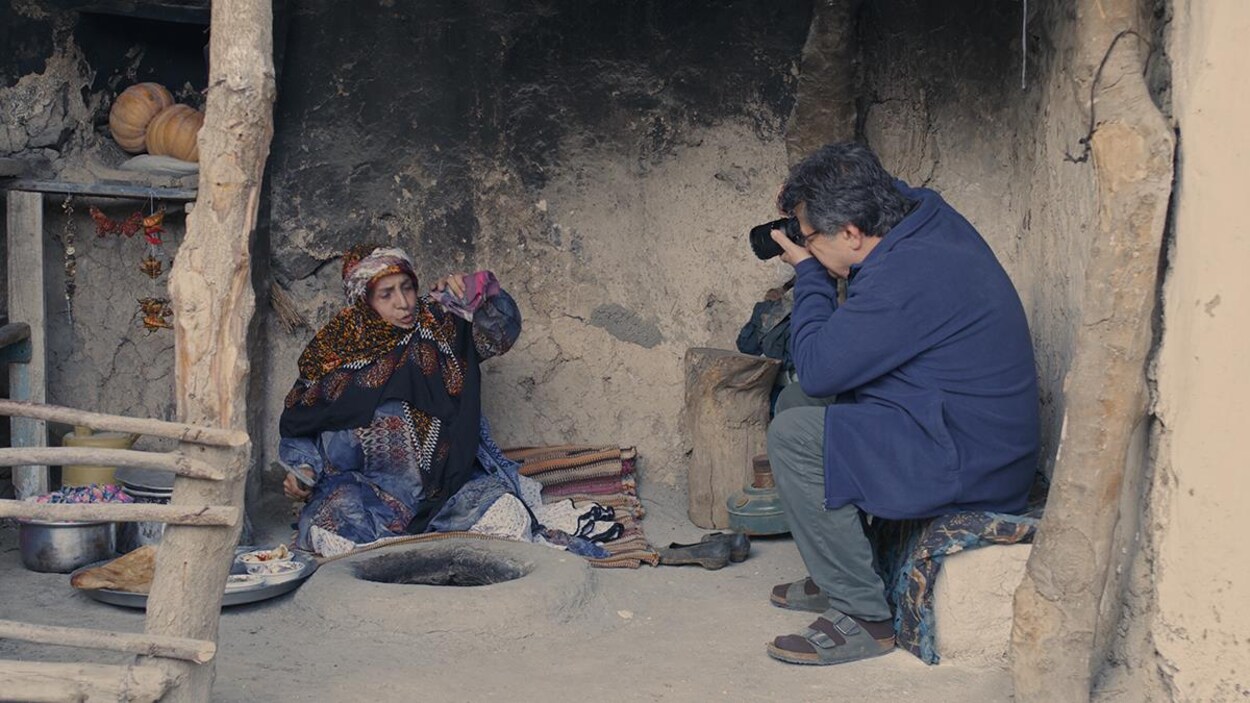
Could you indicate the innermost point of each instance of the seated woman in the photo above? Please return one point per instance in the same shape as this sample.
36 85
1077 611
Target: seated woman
383 432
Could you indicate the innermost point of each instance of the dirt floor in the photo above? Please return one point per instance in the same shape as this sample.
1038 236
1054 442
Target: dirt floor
566 633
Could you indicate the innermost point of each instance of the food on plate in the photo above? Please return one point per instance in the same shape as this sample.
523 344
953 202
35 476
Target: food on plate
131 572
276 569
262 556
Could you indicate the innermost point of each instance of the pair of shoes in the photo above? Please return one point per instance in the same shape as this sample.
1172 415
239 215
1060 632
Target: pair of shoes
710 555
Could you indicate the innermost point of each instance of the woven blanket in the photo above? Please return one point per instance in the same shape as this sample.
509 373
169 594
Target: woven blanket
586 474
909 555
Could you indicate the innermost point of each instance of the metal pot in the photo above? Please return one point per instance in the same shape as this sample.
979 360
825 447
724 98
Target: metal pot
145 486
61 547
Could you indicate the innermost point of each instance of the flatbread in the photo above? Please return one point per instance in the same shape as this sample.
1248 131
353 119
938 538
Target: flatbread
132 572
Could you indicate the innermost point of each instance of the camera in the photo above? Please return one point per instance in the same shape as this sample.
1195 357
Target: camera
762 241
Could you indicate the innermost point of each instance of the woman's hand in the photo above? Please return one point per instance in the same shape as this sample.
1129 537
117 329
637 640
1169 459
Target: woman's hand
293 488
454 281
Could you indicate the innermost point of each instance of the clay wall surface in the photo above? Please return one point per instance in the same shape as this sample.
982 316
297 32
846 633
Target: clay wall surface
1201 581
604 159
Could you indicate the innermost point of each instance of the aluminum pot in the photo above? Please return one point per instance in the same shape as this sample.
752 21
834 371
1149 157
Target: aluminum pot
132 535
61 547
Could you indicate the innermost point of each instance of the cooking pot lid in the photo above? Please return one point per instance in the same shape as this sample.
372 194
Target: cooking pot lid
150 479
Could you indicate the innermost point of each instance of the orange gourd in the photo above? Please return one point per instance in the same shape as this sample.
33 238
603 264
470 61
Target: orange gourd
133 110
173 133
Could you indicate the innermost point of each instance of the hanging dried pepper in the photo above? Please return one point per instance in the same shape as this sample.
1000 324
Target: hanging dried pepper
105 225
152 228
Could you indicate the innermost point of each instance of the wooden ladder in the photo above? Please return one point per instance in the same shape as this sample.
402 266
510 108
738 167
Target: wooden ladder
204 517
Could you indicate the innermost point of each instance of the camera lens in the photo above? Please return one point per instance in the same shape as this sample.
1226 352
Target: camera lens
761 237
762 240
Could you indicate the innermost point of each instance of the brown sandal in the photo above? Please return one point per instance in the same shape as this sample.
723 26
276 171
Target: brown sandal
834 638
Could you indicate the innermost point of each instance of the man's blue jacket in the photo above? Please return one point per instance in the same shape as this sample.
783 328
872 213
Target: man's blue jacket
932 361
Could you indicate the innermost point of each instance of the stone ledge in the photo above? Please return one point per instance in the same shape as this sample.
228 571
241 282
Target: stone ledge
972 602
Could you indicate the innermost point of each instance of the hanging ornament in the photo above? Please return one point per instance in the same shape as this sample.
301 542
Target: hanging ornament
152 228
105 225
155 312
152 266
153 263
71 257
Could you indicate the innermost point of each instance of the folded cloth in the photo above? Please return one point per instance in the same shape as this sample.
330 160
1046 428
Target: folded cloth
507 518
477 288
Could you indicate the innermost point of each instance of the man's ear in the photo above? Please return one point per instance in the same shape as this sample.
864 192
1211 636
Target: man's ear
854 236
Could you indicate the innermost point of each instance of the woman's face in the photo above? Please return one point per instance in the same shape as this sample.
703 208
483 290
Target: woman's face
394 299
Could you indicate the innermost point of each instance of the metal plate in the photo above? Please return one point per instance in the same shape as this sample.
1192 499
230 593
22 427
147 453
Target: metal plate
234 596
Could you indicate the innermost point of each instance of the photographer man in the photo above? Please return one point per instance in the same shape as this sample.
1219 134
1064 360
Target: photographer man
931 362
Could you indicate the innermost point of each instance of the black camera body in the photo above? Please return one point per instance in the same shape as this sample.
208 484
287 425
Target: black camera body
762 241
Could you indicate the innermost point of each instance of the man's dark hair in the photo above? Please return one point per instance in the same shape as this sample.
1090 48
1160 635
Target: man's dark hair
844 184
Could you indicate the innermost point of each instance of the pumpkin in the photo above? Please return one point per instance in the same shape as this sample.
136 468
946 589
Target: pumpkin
173 133
133 110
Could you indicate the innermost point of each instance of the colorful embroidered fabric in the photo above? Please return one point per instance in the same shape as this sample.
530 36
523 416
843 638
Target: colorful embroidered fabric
358 362
909 558
478 287
364 264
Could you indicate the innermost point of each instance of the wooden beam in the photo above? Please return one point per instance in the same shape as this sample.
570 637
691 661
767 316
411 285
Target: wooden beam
198 515
198 651
176 462
118 423
26 305
99 189
213 302
55 682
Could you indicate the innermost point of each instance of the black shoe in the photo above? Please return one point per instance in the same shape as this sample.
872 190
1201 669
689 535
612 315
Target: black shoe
739 544
709 555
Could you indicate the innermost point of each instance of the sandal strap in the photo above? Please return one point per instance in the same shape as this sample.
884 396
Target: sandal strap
846 625
818 638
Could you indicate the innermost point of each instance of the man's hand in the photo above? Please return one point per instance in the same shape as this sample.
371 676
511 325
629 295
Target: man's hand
454 281
293 488
791 253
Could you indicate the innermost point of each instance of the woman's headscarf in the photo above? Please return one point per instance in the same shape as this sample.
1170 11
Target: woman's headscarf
358 361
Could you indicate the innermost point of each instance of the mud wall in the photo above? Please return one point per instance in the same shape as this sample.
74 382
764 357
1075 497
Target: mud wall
941 99
603 158
1201 599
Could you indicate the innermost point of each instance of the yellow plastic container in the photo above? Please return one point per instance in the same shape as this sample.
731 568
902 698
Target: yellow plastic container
84 474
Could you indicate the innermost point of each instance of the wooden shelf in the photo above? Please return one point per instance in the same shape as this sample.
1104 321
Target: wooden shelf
106 189
185 11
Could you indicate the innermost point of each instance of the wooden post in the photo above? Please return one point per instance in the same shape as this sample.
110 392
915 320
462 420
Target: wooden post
727 417
197 651
213 302
174 462
1067 606
223 515
824 104
120 423
54 682
27 381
